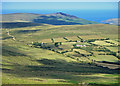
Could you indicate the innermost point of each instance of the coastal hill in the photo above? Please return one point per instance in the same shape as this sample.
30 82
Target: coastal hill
53 19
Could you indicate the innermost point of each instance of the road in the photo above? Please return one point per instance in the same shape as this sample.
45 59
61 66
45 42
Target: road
8 32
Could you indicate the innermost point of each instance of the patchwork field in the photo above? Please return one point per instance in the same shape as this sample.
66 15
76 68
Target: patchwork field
101 43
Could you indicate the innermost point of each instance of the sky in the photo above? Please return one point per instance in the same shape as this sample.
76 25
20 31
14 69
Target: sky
60 0
60 5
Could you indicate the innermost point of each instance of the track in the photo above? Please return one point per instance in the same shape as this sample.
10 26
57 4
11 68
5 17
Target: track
8 32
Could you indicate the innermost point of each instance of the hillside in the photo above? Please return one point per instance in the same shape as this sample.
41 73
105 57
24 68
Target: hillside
53 19
50 54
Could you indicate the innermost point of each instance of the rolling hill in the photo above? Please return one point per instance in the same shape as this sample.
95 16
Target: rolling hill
24 63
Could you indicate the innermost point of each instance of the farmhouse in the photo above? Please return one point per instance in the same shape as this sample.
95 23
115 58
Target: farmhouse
81 45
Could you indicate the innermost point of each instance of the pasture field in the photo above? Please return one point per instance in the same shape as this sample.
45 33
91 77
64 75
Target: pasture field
114 49
113 41
108 58
83 43
46 40
54 63
73 38
67 45
71 53
81 51
59 40
86 37
101 43
99 52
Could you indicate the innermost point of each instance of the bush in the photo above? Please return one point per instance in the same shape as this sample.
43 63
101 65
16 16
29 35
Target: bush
79 37
58 43
107 38
92 40
65 38
64 52
52 40
37 44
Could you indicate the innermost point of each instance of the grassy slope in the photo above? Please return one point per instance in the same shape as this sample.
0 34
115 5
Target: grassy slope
23 64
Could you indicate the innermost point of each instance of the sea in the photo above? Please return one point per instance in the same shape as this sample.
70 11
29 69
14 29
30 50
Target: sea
91 15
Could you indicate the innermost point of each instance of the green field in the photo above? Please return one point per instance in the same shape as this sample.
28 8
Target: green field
59 40
25 63
101 43
108 58
81 51
86 37
114 49
113 41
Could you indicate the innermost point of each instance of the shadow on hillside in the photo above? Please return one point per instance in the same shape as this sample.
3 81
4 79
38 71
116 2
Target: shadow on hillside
60 69
19 24
61 65
26 31
55 22
11 51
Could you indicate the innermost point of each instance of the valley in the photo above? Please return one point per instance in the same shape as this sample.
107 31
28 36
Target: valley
61 54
